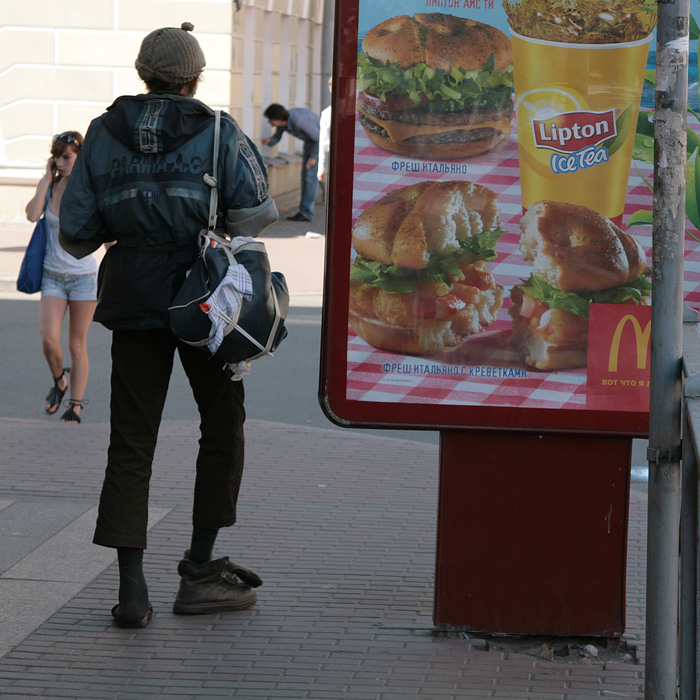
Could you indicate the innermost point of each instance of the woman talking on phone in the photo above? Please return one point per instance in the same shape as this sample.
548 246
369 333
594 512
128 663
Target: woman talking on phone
66 283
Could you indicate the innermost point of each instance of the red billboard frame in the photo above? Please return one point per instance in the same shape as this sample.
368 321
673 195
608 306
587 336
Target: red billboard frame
334 361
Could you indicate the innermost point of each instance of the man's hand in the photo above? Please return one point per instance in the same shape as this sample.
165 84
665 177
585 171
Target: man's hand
311 162
265 142
321 175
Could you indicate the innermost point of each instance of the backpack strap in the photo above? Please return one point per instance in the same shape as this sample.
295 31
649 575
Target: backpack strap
211 180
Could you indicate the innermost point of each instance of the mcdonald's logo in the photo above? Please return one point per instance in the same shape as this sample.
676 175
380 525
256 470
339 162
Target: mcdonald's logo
641 337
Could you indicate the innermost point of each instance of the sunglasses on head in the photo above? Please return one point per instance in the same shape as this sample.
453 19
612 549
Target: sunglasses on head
66 136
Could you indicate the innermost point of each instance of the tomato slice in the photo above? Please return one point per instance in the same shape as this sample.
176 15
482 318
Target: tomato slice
466 293
448 306
478 277
393 103
438 308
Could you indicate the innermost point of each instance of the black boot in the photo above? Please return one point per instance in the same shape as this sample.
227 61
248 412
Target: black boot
134 609
214 587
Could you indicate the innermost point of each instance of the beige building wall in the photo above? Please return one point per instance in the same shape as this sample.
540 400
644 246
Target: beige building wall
63 63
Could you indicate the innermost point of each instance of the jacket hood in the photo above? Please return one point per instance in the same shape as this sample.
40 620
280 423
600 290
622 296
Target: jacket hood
159 122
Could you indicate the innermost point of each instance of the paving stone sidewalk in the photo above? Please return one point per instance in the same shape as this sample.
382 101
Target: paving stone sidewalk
341 527
341 530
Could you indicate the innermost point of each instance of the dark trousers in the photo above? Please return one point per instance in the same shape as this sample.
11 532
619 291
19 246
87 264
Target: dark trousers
142 362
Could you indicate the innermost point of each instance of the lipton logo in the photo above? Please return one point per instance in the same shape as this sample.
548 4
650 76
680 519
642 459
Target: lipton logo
641 337
573 131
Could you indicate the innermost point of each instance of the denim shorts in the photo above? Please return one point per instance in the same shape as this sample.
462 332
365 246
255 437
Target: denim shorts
70 287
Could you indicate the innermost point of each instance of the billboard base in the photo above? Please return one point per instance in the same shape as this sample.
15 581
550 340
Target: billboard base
532 533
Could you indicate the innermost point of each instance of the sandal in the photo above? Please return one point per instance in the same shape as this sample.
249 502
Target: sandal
70 416
55 395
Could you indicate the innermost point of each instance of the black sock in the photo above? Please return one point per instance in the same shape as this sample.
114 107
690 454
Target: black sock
133 592
202 544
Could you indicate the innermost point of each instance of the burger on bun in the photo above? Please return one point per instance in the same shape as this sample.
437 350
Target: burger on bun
435 86
580 258
419 284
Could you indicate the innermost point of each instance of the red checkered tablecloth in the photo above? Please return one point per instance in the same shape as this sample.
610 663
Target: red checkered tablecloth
485 369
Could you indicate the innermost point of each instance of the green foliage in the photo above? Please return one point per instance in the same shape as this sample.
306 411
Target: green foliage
644 151
644 137
641 218
694 31
692 190
623 126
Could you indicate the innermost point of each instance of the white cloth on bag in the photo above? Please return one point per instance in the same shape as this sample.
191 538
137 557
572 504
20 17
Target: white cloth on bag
225 302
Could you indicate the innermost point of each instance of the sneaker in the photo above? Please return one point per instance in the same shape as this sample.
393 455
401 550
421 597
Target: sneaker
214 587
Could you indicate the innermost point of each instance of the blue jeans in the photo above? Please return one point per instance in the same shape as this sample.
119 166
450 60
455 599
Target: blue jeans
309 188
71 287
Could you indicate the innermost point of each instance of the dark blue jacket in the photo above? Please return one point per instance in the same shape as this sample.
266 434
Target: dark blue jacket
139 181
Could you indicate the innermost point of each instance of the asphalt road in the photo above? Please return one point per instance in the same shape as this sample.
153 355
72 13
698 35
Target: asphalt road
282 389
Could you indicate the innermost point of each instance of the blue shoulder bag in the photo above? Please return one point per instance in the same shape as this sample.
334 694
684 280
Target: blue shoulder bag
32 268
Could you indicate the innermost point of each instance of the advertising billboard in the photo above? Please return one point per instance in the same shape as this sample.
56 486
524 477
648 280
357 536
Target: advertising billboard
489 223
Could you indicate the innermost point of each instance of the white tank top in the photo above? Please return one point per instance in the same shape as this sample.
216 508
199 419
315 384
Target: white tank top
58 260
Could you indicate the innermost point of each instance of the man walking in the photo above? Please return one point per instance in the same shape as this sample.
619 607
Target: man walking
302 124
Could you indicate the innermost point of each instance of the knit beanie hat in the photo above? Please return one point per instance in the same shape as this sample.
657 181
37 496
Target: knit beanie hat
171 55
